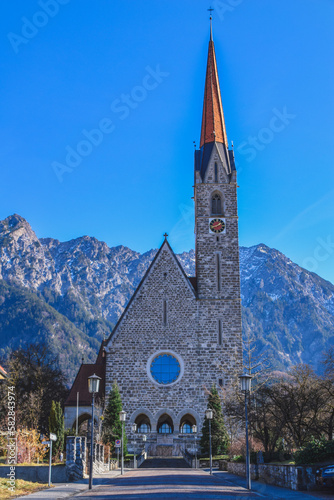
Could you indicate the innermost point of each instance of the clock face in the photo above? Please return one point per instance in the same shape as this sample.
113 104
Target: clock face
217 225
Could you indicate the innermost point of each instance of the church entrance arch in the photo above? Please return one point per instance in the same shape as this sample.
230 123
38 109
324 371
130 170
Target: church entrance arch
84 424
143 424
165 424
186 424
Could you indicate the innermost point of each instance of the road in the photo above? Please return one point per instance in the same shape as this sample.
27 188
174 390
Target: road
176 484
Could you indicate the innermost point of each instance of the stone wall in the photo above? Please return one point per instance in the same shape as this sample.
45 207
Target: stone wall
37 473
286 476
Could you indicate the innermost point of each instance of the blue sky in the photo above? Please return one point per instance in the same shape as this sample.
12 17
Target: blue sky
66 67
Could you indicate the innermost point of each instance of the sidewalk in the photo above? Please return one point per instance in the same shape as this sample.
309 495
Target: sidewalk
265 490
66 490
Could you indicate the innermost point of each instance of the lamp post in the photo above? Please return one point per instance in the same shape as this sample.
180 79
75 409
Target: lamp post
209 416
194 429
134 430
93 388
122 417
245 386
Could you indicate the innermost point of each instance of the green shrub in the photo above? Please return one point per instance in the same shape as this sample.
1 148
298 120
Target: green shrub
316 451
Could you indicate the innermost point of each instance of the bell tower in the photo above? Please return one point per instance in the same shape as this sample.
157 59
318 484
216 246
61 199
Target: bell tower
216 227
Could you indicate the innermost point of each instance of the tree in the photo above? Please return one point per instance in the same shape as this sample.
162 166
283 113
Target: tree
34 373
56 426
219 436
112 426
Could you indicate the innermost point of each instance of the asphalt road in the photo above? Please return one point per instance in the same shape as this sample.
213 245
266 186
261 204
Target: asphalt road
168 484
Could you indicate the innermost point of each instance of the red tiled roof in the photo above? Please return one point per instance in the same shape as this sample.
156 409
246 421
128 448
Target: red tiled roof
80 384
3 373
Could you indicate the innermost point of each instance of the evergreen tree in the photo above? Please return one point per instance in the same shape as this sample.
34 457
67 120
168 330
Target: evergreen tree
56 426
112 426
219 435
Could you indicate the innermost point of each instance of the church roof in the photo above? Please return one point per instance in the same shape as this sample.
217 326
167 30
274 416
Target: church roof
80 384
213 123
213 133
187 279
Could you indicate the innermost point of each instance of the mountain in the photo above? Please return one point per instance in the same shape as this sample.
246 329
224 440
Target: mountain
75 291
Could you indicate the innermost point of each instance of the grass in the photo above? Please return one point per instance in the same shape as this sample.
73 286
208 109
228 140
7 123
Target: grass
285 462
21 488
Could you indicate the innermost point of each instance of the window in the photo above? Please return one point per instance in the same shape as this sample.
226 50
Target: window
216 205
216 172
165 368
165 312
165 429
218 271
220 333
186 428
144 428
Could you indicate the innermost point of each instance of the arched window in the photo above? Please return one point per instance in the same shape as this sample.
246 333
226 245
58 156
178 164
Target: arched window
165 424
143 424
216 204
186 424
165 429
186 428
144 428
216 172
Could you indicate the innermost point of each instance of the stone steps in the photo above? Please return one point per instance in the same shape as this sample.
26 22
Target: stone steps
164 463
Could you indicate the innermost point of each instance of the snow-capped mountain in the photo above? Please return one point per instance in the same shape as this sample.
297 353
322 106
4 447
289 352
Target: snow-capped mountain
83 285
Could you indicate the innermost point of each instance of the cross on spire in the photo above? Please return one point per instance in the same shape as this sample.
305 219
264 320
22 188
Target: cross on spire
211 10
165 236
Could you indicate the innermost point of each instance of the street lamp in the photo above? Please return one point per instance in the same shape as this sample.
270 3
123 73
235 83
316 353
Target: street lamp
134 430
194 429
122 417
209 416
245 386
93 388
144 441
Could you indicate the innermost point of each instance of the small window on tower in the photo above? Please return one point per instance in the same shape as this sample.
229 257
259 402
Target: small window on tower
216 205
216 172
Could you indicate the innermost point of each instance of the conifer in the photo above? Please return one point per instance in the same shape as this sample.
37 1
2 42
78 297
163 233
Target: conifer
219 436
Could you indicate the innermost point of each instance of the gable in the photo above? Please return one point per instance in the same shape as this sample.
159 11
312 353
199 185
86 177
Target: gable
165 280
217 166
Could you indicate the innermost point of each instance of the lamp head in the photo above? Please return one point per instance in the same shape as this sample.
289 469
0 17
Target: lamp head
194 429
209 414
93 383
245 382
122 416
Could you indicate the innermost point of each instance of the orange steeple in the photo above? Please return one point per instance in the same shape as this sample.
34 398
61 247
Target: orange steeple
213 124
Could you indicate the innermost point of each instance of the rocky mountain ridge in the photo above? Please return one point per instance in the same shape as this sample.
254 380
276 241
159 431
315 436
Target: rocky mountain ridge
289 310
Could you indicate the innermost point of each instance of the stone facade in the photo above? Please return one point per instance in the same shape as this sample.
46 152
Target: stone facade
195 321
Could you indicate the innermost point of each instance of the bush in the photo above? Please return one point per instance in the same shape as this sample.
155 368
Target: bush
316 451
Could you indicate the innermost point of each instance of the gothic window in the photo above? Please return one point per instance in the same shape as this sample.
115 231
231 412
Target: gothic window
186 428
165 425
144 429
143 424
216 172
216 204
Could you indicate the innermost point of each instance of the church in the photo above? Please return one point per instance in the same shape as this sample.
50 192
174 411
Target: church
179 335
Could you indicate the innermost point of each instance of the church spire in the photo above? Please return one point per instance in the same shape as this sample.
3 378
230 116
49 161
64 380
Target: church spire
213 123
